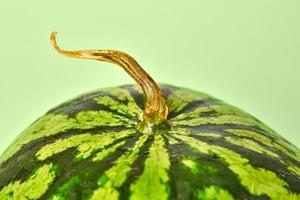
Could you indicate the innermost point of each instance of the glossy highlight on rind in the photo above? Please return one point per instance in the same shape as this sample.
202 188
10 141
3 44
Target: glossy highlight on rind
90 148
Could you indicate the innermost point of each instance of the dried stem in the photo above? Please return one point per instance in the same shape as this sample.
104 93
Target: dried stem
156 110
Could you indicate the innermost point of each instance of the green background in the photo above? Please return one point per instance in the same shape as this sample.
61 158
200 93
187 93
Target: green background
244 52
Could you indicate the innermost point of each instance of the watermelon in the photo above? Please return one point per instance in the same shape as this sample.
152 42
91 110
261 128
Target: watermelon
146 141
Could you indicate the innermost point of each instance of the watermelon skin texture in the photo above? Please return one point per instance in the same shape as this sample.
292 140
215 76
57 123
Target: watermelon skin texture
89 148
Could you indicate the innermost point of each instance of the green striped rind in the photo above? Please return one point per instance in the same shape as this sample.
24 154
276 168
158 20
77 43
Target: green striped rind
191 164
181 98
219 120
257 180
55 124
106 152
88 148
116 176
247 140
153 182
280 146
32 188
85 143
214 193
123 102
295 170
250 144
65 188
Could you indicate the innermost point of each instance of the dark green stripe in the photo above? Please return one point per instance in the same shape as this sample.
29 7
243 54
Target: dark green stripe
54 124
136 95
136 169
257 139
124 102
185 183
189 108
258 160
153 183
33 188
167 90
221 120
221 130
77 104
257 180
24 160
88 171
87 102
87 144
121 101
114 177
286 154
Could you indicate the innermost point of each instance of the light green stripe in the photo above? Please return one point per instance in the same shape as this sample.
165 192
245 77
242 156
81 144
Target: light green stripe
247 143
190 164
170 139
32 188
122 95
53 124
193 114
243 142
86 144
214 192
63 190
181 98
225 109
45 126
222 109
56 198
214 135
252 145
258 181
185 131
295 170
106 152
263 139
223 119
152 184
92 119
138 89
117 174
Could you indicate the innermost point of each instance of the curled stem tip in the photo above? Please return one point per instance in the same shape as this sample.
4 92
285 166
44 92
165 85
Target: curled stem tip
156 110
